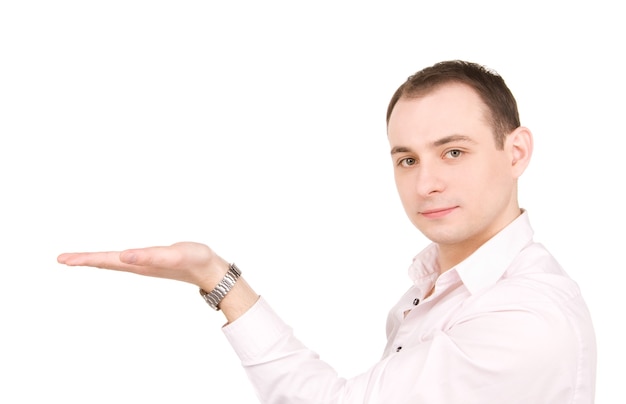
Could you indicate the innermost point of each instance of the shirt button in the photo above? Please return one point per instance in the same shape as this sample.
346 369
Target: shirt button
398 349
416 302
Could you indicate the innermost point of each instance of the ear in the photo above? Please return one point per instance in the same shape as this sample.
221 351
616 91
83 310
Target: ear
519 143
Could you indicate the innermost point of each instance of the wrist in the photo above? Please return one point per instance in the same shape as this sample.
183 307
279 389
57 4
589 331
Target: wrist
238 300
213 273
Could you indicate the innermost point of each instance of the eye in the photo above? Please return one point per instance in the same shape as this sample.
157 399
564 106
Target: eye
454 153
407 162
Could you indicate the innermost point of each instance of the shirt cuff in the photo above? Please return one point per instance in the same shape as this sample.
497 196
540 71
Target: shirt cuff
256 331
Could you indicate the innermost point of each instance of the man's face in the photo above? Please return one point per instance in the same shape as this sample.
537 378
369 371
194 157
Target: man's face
455 186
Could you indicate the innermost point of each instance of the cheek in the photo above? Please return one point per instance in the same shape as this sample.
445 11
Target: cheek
489 183
472 183
481 172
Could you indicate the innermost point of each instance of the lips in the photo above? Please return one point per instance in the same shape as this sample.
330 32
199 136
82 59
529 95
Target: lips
438 212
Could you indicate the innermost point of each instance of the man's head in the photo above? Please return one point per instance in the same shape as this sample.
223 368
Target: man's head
490 87
457 150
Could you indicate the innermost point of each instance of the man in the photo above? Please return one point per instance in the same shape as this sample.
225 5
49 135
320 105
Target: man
491 317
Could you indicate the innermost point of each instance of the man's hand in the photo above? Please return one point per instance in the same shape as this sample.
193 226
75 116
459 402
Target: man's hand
187 262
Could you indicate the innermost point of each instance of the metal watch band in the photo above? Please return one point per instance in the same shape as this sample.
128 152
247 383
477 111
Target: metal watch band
214 297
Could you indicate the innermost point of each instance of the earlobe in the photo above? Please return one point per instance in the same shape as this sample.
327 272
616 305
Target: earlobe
521 143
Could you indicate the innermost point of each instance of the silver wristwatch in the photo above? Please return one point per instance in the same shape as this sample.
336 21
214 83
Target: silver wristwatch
214 297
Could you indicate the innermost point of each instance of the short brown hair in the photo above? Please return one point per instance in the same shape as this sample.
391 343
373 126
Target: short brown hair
489 85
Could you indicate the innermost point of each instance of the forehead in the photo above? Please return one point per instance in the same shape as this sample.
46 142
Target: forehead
450 109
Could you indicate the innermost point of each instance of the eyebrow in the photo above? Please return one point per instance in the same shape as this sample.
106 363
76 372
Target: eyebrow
453 138
436 143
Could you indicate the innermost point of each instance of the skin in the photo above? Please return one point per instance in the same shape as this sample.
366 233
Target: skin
455 185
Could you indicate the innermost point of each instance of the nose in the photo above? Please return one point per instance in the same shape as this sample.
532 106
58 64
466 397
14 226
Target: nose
428 180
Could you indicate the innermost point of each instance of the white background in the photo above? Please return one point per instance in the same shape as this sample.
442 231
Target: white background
258 128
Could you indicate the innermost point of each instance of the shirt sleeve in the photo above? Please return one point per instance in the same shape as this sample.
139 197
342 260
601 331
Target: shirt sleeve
269 352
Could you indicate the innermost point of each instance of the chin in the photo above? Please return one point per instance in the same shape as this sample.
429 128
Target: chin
443 236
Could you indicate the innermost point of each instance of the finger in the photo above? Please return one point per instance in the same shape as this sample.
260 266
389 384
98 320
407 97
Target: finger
106 260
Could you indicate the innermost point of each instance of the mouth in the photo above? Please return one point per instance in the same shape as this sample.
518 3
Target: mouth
437 213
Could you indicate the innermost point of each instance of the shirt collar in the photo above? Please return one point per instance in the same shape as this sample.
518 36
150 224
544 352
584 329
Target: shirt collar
486 265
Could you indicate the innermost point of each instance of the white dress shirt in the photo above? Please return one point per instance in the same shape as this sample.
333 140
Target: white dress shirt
506 325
